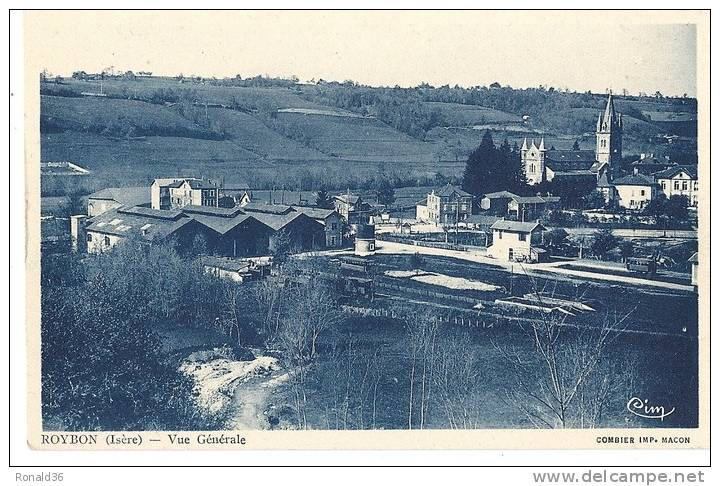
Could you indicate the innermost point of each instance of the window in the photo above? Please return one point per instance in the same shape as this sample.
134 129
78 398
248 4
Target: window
532 168
684 186
642 192
106 241
676 185
499 235
333 226
372 247
88 238
522 237
332 241
663 184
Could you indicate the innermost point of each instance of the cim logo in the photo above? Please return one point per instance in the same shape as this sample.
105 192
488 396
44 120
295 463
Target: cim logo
642 408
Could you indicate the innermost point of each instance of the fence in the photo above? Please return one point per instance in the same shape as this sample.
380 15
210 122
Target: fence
428 244
456 320
424 292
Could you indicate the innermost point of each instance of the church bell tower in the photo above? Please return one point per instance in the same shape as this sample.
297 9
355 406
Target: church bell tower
609 135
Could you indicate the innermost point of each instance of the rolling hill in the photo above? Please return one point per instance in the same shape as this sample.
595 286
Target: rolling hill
277 135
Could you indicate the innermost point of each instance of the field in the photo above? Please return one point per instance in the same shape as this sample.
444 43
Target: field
254 136
152 127
355 139
455 114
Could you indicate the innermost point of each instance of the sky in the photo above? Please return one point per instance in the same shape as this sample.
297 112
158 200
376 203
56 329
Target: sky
580 51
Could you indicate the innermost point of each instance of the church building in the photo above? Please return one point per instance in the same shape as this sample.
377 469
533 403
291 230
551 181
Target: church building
543 165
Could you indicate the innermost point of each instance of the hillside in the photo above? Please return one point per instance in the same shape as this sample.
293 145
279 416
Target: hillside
330 133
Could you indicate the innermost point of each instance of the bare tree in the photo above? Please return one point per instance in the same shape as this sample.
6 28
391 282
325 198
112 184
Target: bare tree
268 296
421 331
563 380
457 380
309 309
230 319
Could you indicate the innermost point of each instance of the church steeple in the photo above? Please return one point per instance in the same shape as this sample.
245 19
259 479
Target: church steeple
609 134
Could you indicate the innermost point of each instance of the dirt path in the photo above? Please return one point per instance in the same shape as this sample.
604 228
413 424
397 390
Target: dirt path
248 403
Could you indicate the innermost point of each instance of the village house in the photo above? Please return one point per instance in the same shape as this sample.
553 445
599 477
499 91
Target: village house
524 208
448 205
517 241
680 180
233 195
496 202
352 208
648 164
114 197
330 219
174 193
635 191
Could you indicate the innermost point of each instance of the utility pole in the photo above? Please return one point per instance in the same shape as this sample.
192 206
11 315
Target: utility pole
457 220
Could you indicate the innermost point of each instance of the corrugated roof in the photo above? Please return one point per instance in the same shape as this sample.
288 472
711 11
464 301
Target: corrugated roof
220 224
172 214
201 184
574 173
516 226
635 180
570 160
671 172
449 190
267 208
500 195
529 200
192 209
127 196
125 223
315 213
348 198
279 221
